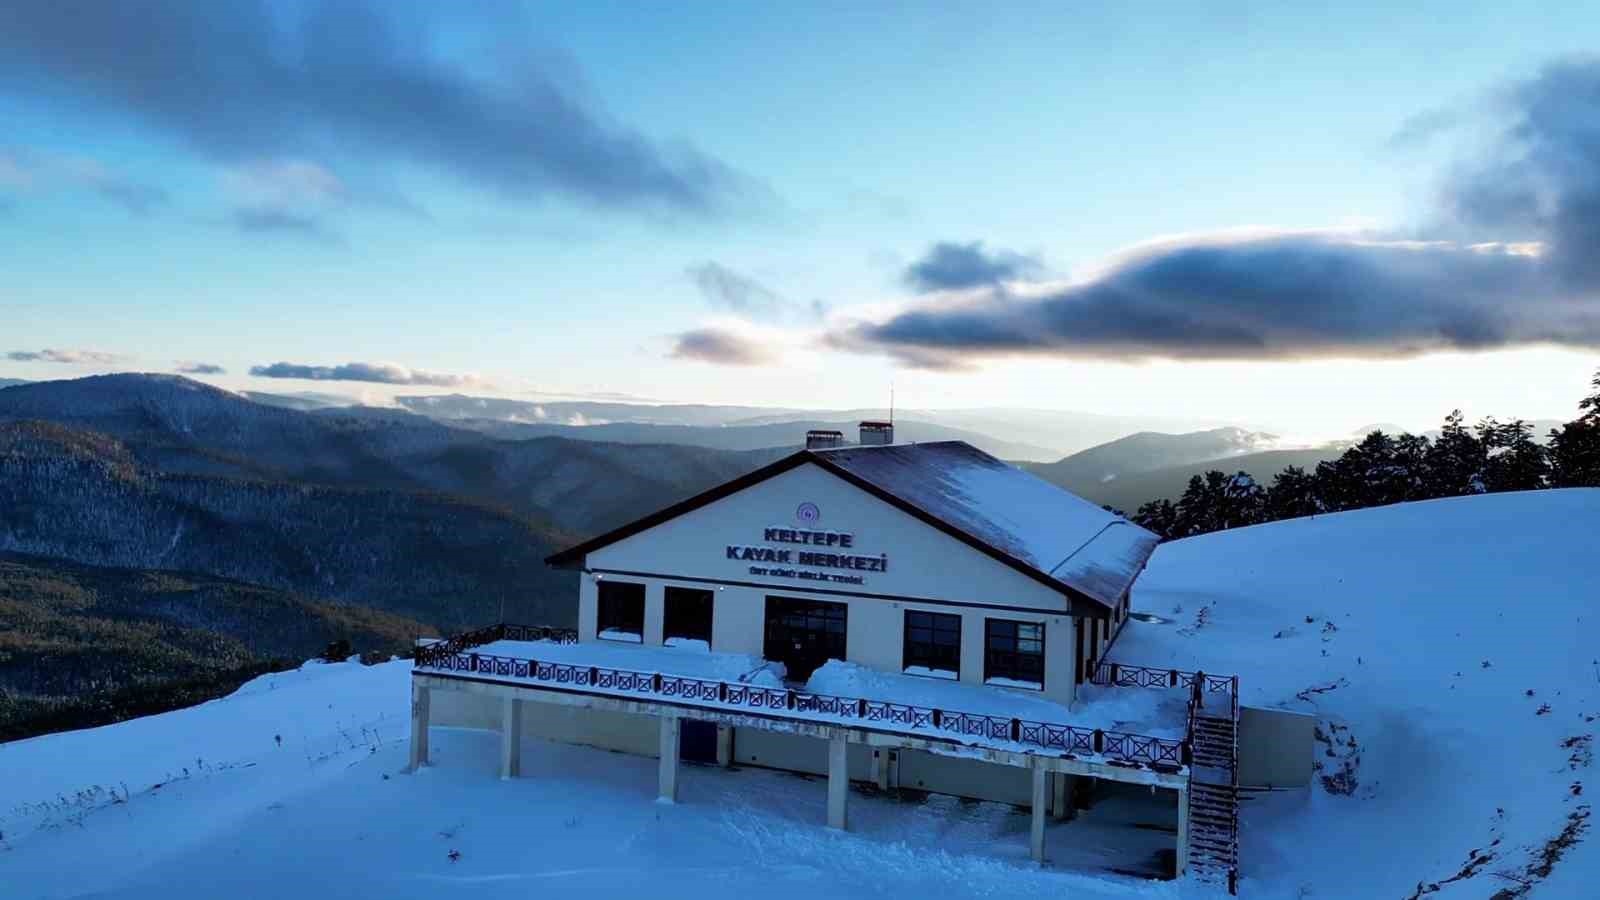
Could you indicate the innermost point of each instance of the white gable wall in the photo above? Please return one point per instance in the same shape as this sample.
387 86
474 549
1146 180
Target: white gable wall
926 570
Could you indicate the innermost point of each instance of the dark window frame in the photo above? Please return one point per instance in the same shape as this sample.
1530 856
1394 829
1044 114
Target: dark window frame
1012 662
673 626
921 646
786 617
611 612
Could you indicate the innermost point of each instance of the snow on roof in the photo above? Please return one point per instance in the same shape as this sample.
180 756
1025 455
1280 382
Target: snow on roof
1042 526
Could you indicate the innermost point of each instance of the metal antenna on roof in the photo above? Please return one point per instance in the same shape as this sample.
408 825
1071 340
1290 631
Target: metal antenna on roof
891 403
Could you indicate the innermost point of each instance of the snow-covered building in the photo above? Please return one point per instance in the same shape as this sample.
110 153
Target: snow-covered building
916 616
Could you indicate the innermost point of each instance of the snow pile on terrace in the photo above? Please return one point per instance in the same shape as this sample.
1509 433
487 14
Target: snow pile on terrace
685 662
1449 649
1053 531
1162 714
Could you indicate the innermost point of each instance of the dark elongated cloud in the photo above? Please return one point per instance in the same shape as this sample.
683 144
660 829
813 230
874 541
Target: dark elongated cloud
740 294
247 79
1511 261
378 373
200 368
953 266
23 169
67 357
281 221
722 347
743 296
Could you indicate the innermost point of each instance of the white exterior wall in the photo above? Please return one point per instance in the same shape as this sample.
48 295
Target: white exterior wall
924 565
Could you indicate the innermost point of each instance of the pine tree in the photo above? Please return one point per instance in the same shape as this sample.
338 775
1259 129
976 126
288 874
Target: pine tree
1371 473
1456 461
1516 461
1293 494
1574 452
1217 501
1159 516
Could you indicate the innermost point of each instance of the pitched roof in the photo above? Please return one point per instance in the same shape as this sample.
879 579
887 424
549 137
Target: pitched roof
1054 537
1040 525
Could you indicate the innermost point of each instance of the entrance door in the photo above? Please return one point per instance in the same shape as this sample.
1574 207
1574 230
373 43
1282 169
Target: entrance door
804 634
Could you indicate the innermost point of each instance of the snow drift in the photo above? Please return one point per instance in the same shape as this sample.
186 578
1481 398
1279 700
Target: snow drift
1449 648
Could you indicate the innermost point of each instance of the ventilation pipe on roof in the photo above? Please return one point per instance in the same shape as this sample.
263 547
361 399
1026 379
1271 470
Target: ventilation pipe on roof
822 439
876 433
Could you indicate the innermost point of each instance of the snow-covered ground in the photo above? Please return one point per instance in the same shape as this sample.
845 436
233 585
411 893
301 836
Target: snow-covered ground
1450 650
293 785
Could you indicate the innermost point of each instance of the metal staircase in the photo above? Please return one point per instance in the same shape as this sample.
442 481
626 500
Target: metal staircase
1214 796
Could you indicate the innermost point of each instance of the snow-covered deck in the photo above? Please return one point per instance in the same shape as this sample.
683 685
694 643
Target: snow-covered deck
1124 725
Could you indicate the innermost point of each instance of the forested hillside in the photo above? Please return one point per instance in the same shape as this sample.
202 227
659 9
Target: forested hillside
175 425
449 562
81 645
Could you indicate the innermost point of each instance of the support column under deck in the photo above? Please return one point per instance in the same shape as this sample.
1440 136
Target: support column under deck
838 782
420 701
1183 832
725 745
1061 796
510 738
671 729
1040 799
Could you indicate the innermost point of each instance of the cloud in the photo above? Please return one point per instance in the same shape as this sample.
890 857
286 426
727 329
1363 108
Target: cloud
67 357
1291 296
200 368
378 373
278 221
721 347
453 87
136 197
1507 259
22 170
952 266
1422 127
743 296
13 174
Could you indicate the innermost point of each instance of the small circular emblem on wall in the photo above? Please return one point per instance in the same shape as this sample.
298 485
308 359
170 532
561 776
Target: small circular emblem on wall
808 513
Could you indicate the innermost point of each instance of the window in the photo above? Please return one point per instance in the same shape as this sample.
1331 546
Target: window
687 616
621 614
1013 653
933 645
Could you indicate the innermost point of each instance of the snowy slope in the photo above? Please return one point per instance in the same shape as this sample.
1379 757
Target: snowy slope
1449 647
292 786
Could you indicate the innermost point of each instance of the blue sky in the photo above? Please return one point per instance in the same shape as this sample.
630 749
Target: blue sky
725 203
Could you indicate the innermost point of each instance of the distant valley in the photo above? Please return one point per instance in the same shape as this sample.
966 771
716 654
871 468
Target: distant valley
160 533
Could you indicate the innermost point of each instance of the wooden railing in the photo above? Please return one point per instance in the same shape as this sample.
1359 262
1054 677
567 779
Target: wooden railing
458 657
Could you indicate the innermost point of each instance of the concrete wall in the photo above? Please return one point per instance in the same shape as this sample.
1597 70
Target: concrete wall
628 733
1276 748
640 735
796 753
965 777
925 565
